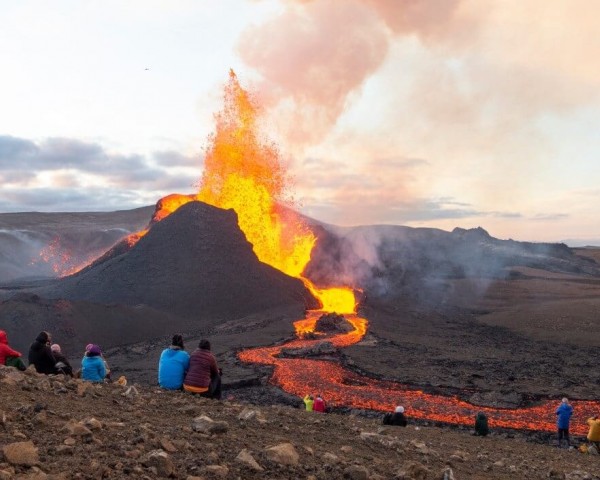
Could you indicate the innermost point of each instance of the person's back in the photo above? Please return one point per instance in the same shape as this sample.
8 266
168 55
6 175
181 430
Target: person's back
203 375
309 403
8 356
398 419
564 412
92 366
319 405
594 433
41 356
481 425
62 363
173 364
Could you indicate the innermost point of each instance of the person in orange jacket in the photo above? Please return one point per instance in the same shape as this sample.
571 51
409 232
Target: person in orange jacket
593 435
8 356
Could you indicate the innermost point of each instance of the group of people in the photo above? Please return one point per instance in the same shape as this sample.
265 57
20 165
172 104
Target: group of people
564 412
314 404
196 373
48 358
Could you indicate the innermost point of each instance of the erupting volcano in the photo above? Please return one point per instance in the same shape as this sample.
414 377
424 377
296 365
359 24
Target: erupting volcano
243 172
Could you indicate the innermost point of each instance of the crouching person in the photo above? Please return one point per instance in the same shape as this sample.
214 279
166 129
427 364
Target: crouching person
92 365
8 356
203 376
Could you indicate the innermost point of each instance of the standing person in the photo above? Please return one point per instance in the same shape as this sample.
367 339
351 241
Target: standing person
203 376
8 356
563 413
41 356
481 424
173 365
319 404
593 435
309 403
92 365
62 363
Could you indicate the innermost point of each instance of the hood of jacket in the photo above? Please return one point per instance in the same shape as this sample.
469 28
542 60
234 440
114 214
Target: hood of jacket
3 337
172 351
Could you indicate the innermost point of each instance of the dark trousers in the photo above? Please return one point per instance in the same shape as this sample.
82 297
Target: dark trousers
214 389
15 362
563 433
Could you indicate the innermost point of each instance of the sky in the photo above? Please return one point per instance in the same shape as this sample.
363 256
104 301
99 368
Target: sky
426 113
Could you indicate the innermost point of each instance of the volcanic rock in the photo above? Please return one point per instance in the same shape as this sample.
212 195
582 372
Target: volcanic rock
316 350
196 263
207 425
21 453
246 458
333 323
284 453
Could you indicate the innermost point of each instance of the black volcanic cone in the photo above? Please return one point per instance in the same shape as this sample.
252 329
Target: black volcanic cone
196 263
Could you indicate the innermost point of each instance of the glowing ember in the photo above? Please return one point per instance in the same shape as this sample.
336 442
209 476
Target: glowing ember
60 259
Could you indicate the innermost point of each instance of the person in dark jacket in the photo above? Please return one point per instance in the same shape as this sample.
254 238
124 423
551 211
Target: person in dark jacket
8 356
41 356
397 418
62 364
203 376
92 365
563 414
481 424
173 364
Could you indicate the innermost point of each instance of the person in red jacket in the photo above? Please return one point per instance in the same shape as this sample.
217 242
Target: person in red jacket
319 405
8 356
204 376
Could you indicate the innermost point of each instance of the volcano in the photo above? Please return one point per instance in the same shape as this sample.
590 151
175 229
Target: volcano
196 264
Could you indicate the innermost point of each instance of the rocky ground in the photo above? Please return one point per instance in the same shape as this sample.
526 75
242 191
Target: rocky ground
52 428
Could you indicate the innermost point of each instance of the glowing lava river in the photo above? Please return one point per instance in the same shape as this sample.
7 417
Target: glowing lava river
300 376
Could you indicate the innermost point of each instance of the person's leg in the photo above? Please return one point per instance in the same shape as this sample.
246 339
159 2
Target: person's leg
15 362
567 437
560 436
215 387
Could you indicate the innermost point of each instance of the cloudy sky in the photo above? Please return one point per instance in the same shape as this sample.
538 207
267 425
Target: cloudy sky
436 113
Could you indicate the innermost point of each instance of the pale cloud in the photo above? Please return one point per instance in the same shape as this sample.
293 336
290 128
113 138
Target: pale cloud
71 174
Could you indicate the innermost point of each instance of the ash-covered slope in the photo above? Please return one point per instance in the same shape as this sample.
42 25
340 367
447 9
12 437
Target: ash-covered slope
196 264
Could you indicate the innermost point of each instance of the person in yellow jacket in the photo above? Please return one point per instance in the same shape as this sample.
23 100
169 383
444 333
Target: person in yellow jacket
309 402
593 435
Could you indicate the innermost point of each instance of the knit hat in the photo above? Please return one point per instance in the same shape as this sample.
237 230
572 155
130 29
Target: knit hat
399 409
88 347
565 400
55 347
95 350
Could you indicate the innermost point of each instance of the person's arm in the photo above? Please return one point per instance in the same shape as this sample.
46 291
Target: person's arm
9 352
214 370
101 368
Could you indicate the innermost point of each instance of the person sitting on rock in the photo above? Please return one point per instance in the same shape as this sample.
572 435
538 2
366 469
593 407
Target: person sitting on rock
92 365
40 355
397 418
481 424
309 403
106 367
62 364
204 376
173 365
8 356
319 404
593 435
563 413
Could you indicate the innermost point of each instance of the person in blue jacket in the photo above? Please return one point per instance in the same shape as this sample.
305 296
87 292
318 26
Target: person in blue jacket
173 365
564 412
92 365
